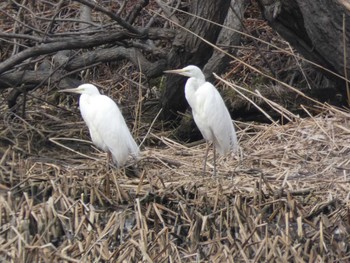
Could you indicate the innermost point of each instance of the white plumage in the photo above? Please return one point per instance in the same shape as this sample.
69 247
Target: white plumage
209 111
106 124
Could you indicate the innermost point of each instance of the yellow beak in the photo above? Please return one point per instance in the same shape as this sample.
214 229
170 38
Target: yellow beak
175 71
76 90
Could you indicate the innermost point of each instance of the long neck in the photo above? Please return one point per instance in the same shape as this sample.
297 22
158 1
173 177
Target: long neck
192 85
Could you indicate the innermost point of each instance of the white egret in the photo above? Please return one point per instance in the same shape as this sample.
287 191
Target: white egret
209 112
106 124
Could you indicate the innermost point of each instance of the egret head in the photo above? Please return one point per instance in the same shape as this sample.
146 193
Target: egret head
189 71
88 89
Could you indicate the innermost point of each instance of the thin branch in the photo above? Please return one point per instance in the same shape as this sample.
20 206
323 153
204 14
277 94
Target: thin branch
112 15
52 21
23 24
20 36
136 10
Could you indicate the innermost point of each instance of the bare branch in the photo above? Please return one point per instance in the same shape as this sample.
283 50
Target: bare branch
112 15
169 14
30 77
20 36
149 69
52 22
72 43
85 15
23 24
136 10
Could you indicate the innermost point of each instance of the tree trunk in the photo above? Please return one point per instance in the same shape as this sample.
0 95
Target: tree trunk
188 49
218 61
227 38
318 29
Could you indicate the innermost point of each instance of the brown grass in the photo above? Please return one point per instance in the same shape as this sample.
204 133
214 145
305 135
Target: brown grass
284 199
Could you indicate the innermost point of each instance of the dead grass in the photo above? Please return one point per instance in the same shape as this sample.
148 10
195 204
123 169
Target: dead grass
286 198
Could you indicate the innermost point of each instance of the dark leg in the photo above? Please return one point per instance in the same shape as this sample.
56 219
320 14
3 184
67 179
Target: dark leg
214 160
107 179
109 160
205 159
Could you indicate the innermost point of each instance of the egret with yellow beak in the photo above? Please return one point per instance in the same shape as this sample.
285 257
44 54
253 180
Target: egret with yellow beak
209 112
106 124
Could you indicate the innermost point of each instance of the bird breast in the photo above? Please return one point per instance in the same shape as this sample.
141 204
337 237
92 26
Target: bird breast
212 117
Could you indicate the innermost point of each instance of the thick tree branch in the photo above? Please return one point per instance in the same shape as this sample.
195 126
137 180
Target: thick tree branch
150 69
72 43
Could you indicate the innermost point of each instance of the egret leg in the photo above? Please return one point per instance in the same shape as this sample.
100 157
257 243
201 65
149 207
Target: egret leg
135 167
109 160
107 179
205 159
214 160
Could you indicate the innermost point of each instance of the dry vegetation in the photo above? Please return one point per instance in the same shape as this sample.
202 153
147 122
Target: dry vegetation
284 199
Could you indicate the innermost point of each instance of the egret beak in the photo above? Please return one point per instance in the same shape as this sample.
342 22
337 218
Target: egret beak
176 71
76 90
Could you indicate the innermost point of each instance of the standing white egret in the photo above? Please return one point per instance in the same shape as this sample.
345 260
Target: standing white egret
106 124
209 112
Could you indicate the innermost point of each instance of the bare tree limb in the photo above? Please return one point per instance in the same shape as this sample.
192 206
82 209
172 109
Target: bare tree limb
20 36
85 15
150 69
136 10
73 43
112 15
